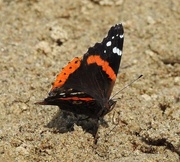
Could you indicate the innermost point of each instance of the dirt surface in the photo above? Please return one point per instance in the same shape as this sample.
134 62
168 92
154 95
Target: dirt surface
38 38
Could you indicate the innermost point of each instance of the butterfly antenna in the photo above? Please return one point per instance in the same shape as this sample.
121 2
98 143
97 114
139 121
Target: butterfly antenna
127 86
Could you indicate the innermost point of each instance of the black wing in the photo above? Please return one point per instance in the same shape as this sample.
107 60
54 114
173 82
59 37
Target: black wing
98 69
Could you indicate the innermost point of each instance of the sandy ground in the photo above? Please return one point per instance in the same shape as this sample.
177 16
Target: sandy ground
38 38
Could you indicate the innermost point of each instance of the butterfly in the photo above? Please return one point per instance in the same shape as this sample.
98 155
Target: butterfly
85 84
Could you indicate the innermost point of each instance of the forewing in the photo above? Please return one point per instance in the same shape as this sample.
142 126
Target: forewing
96 72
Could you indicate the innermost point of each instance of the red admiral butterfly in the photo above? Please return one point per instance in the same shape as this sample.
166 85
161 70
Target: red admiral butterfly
84 86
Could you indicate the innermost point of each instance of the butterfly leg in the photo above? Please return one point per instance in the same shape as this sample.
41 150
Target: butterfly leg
96 136
102 122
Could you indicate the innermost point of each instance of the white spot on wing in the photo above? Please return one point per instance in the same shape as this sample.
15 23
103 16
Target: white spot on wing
117 51
108 43
112 37
76 93
121 36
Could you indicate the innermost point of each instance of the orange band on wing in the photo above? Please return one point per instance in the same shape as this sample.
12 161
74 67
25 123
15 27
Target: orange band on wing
77 99
104 64
64 74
